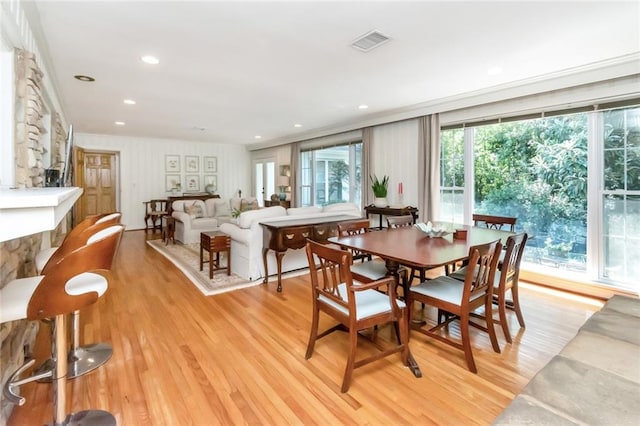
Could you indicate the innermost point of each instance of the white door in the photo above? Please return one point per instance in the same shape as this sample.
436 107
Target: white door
264 178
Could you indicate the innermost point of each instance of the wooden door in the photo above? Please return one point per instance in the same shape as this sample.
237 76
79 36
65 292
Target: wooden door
96 173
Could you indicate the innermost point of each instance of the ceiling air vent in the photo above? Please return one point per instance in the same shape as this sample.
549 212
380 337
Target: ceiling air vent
369 41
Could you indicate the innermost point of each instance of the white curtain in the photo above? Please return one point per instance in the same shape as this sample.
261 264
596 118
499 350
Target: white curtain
295 166
429 167
367 166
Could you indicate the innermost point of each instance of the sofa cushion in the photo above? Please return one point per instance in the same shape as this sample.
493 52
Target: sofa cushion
246 205
341 207
221 208
204 223
247 218
293 211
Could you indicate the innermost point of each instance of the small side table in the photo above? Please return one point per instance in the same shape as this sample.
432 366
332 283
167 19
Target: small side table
168 228
215 242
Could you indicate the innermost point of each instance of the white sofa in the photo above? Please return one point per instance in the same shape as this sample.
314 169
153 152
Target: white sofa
247 238
215 212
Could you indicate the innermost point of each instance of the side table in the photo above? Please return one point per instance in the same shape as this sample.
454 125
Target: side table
215 242
168 228
391 211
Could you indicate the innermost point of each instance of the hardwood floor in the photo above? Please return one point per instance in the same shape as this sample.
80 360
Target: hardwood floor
181 358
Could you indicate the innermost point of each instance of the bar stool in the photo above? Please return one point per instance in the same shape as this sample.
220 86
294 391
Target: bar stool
77 281
81 359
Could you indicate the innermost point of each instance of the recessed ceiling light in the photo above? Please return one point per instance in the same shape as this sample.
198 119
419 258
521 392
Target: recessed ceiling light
297 125
363 106
119 123
151 60
129 102
494 70
258 137
84 78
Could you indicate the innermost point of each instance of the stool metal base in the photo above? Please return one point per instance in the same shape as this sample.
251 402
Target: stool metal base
89 418
81 361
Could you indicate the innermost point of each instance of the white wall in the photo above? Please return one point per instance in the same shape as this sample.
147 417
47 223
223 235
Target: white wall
142 168
395 154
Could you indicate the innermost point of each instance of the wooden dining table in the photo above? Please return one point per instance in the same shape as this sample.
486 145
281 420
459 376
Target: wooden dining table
411 247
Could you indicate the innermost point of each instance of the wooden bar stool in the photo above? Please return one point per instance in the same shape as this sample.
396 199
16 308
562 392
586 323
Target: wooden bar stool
82 359
77 281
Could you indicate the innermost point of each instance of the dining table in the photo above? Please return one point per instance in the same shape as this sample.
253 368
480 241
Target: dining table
412 247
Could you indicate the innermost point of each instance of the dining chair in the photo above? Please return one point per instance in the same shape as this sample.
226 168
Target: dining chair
405 222
355 305
494 222
460 298
506 279
366 270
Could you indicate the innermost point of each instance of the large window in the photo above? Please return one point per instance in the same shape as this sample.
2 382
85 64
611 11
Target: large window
331 175
538 171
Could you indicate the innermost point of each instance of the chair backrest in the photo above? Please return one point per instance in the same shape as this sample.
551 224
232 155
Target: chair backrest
50 298
494 222
399 221
354 227
479 278
156 206
510 269
79 237
331 275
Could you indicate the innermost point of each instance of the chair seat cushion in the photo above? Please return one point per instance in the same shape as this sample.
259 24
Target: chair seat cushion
371 270
442 288
15 296
368 302
43 257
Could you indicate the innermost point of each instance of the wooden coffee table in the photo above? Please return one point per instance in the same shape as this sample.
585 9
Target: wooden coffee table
215 242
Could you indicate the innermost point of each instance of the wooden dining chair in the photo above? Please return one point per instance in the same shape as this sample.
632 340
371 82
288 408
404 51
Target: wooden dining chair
461 298
366 270
405 222
506 279
494 222
356 306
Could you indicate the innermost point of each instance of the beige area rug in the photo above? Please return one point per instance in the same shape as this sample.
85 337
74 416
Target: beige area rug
186 257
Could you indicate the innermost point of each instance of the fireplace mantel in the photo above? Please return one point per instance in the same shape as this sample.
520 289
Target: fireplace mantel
28 211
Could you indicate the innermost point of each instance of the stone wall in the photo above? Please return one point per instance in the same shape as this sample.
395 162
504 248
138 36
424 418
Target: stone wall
18 256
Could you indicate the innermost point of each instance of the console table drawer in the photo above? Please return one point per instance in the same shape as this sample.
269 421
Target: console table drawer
295 237
322 232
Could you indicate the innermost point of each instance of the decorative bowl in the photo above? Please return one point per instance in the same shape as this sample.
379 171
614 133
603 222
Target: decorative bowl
431 231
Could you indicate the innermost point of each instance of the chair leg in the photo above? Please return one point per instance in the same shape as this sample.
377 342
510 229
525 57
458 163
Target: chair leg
313 335
83 359
351 360
502 312
404 336
466 342
516 304
491 329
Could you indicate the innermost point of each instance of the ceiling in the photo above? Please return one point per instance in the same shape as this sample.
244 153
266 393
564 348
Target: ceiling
230 71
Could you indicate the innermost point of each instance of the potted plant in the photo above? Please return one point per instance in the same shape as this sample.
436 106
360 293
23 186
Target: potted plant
379 188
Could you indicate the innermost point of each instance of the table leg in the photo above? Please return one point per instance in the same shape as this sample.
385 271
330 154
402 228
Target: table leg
279 256
266 269
201 252
393 267
211 264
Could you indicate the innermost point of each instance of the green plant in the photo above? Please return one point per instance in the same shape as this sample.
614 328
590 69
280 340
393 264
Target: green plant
378 187
235 213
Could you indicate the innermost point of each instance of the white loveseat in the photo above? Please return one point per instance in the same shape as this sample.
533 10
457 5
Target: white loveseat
211 213
247 238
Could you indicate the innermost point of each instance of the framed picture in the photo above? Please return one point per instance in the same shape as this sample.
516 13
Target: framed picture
211 164
211 180
171 163
193 183
191 163
172 182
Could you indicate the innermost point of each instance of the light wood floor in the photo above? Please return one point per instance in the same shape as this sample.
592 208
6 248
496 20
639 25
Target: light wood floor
181 358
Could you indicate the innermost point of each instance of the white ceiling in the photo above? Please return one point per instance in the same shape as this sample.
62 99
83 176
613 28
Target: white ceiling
240 69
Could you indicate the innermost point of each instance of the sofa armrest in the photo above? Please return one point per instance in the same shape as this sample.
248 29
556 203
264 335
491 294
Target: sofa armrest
183 217
241 235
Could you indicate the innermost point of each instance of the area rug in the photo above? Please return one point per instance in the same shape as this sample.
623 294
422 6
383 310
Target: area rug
186 257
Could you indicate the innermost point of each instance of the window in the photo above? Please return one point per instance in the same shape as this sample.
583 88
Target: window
331 175
538 171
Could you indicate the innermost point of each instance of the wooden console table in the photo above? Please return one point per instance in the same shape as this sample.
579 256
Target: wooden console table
284 203
391 211
280 236
196 196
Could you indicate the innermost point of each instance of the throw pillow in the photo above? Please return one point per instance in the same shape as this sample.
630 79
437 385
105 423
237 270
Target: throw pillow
194 210
222 208
246 205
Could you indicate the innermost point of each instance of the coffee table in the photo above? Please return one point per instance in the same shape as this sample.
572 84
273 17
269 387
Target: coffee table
215 242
